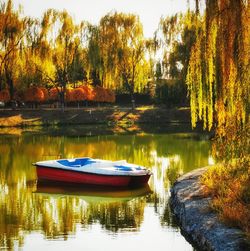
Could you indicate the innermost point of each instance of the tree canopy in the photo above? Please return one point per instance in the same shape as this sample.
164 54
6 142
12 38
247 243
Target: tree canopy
56 52
209 51
219 67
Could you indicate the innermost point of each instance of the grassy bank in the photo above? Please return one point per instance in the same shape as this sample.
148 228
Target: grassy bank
229 186
104 115
229 181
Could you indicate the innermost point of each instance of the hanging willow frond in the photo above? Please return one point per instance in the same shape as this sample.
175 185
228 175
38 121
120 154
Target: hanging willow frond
218 74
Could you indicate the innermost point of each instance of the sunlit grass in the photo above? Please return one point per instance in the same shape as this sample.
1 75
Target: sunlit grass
18 120
146 107
229 185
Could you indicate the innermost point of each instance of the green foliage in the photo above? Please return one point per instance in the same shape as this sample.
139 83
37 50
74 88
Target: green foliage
94 55
158 71
179 33
171 92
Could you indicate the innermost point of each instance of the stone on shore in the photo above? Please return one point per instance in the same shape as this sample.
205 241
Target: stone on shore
197 220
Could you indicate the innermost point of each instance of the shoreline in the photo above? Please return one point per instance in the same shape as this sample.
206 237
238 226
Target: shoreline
89 121
199 224
123 116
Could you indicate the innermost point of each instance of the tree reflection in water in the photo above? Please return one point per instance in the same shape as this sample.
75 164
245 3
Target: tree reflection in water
25 209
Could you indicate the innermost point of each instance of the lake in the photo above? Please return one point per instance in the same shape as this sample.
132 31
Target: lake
38 216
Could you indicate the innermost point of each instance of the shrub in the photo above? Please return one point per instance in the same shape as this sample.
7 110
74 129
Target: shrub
4 95
79 94
53 94
69 95
34 94
45 93
228 185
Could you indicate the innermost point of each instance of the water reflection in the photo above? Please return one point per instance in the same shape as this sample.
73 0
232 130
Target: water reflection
90 193
26 206
113 209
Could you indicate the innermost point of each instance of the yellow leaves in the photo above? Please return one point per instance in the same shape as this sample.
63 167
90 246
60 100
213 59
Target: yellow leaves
221 113
218 74
122 50
195 84
228 184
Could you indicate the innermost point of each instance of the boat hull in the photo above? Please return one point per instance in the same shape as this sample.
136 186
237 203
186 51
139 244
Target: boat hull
69 176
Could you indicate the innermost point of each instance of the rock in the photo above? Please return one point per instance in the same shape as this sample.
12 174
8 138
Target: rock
198 222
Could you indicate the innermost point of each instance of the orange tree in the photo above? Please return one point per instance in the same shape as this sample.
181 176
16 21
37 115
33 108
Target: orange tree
34 95
69 95
45 93
98 94
101 94
53 94
110 96
79 95
89 92
4 95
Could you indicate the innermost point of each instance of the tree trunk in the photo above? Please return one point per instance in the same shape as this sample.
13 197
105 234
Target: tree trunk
10 84
133 101
1 82
62 99
132 95
197 8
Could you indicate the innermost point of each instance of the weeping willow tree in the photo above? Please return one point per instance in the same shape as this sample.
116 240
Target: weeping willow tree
219 68
12 32
123 51
179 35
219 86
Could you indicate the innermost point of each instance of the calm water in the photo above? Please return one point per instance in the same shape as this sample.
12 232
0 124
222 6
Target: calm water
37 216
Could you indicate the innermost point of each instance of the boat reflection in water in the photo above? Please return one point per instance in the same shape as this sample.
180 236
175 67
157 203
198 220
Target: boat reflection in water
64 208
91 193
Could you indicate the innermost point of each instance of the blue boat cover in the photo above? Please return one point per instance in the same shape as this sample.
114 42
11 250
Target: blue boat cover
124 168
76 162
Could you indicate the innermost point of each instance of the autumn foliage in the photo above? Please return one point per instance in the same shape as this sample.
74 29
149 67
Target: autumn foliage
53 94
230 188
34 94
4 95
83 93
19 95
69 95
218 83
88 93
78 94
103 95
45 93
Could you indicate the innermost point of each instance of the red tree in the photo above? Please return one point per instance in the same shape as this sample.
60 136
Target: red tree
34 94
4 95
53 94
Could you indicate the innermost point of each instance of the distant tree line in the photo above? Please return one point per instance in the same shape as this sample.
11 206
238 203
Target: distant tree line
55 52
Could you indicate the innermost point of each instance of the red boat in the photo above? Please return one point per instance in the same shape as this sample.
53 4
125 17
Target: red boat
93 172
